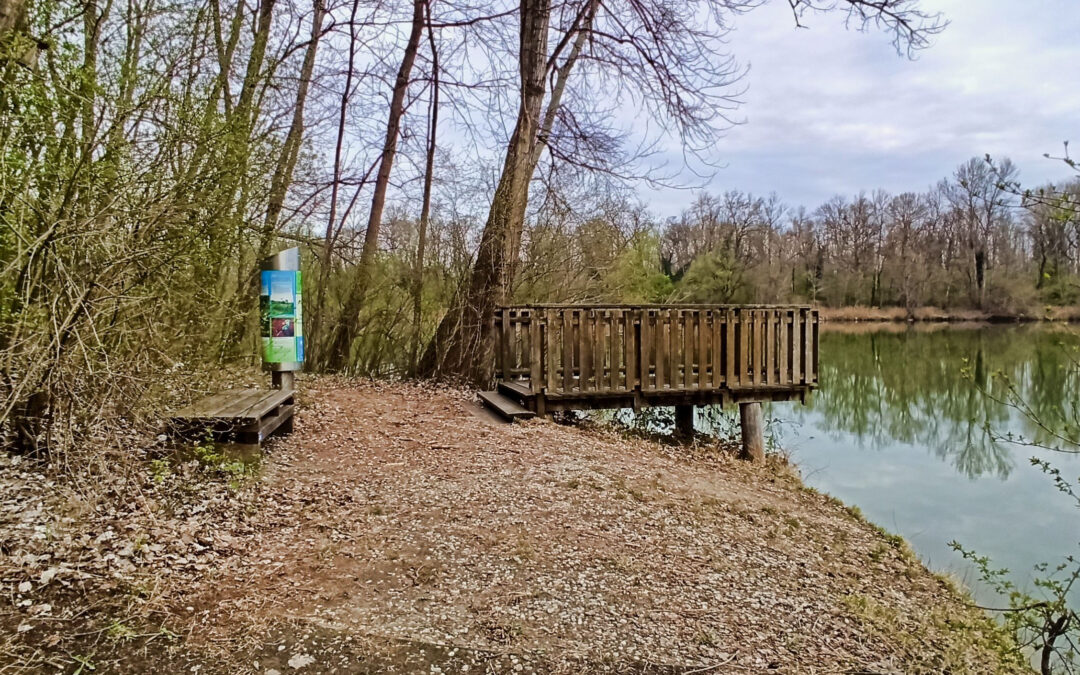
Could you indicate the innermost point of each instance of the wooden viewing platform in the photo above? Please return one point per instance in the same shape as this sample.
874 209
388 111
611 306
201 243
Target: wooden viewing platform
572 357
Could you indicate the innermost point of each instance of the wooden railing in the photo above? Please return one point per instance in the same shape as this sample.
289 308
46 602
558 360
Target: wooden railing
563 350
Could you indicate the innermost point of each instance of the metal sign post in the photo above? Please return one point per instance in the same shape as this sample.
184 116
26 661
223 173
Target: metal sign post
281 316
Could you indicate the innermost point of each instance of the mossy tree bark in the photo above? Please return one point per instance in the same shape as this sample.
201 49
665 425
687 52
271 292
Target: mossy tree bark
465 336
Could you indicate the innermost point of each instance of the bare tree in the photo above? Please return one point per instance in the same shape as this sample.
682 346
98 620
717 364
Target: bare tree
659 52
425 208
348 326
980 193
462 340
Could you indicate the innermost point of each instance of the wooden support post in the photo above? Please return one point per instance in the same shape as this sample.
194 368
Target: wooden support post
283 379
684 421
753 431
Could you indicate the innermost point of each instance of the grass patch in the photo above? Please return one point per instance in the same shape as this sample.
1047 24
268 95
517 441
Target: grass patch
944 642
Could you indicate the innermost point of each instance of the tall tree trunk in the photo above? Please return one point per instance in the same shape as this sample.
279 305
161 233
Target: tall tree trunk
93 20
317 314
345 331
282 176
233 196
135 23
562 76
225 51
290 151
425 209
463 340
980 277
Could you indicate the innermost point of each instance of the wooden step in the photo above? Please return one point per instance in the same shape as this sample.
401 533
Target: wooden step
516 390
505 406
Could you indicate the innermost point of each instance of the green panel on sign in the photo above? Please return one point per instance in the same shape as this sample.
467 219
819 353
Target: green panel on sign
281 316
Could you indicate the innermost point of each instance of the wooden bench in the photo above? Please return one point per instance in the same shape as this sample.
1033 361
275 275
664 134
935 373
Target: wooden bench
244 416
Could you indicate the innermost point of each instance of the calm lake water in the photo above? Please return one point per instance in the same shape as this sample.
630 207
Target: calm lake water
902 428
905 426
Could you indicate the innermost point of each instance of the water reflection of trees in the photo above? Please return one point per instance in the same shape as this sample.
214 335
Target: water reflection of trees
923 388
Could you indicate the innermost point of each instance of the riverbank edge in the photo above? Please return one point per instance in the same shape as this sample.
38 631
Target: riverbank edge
861 313
977 627
120 614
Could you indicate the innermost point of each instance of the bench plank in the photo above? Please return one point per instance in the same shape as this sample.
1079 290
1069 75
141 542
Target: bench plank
238 404
258 405
235 407
205 407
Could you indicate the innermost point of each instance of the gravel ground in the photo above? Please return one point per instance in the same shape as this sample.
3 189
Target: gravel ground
398 531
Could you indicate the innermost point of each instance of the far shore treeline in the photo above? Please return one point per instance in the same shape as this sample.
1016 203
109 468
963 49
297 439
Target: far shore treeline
432 160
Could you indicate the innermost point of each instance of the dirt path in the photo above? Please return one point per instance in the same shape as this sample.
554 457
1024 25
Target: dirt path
396 531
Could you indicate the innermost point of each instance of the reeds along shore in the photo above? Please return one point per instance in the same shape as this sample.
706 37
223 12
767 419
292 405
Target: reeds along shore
932 314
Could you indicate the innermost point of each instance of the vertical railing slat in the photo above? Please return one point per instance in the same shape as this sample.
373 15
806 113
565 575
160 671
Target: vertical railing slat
567 349
752 345
729 348
585 349
548 330
644 362
744 347
686 323
796 347
615 349
703 333
535 352
504 327
784 378
600 351
715 327
659 346
769 350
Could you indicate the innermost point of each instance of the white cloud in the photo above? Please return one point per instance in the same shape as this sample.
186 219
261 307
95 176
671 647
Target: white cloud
833 110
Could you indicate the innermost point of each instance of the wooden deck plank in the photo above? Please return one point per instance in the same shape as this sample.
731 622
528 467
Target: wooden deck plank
715 349
506 407
759 345
516 389
589 378
674 353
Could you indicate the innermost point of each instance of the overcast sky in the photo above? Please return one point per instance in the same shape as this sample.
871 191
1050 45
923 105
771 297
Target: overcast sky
831 111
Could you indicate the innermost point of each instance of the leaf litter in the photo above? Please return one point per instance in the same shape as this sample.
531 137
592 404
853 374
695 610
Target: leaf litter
395 530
